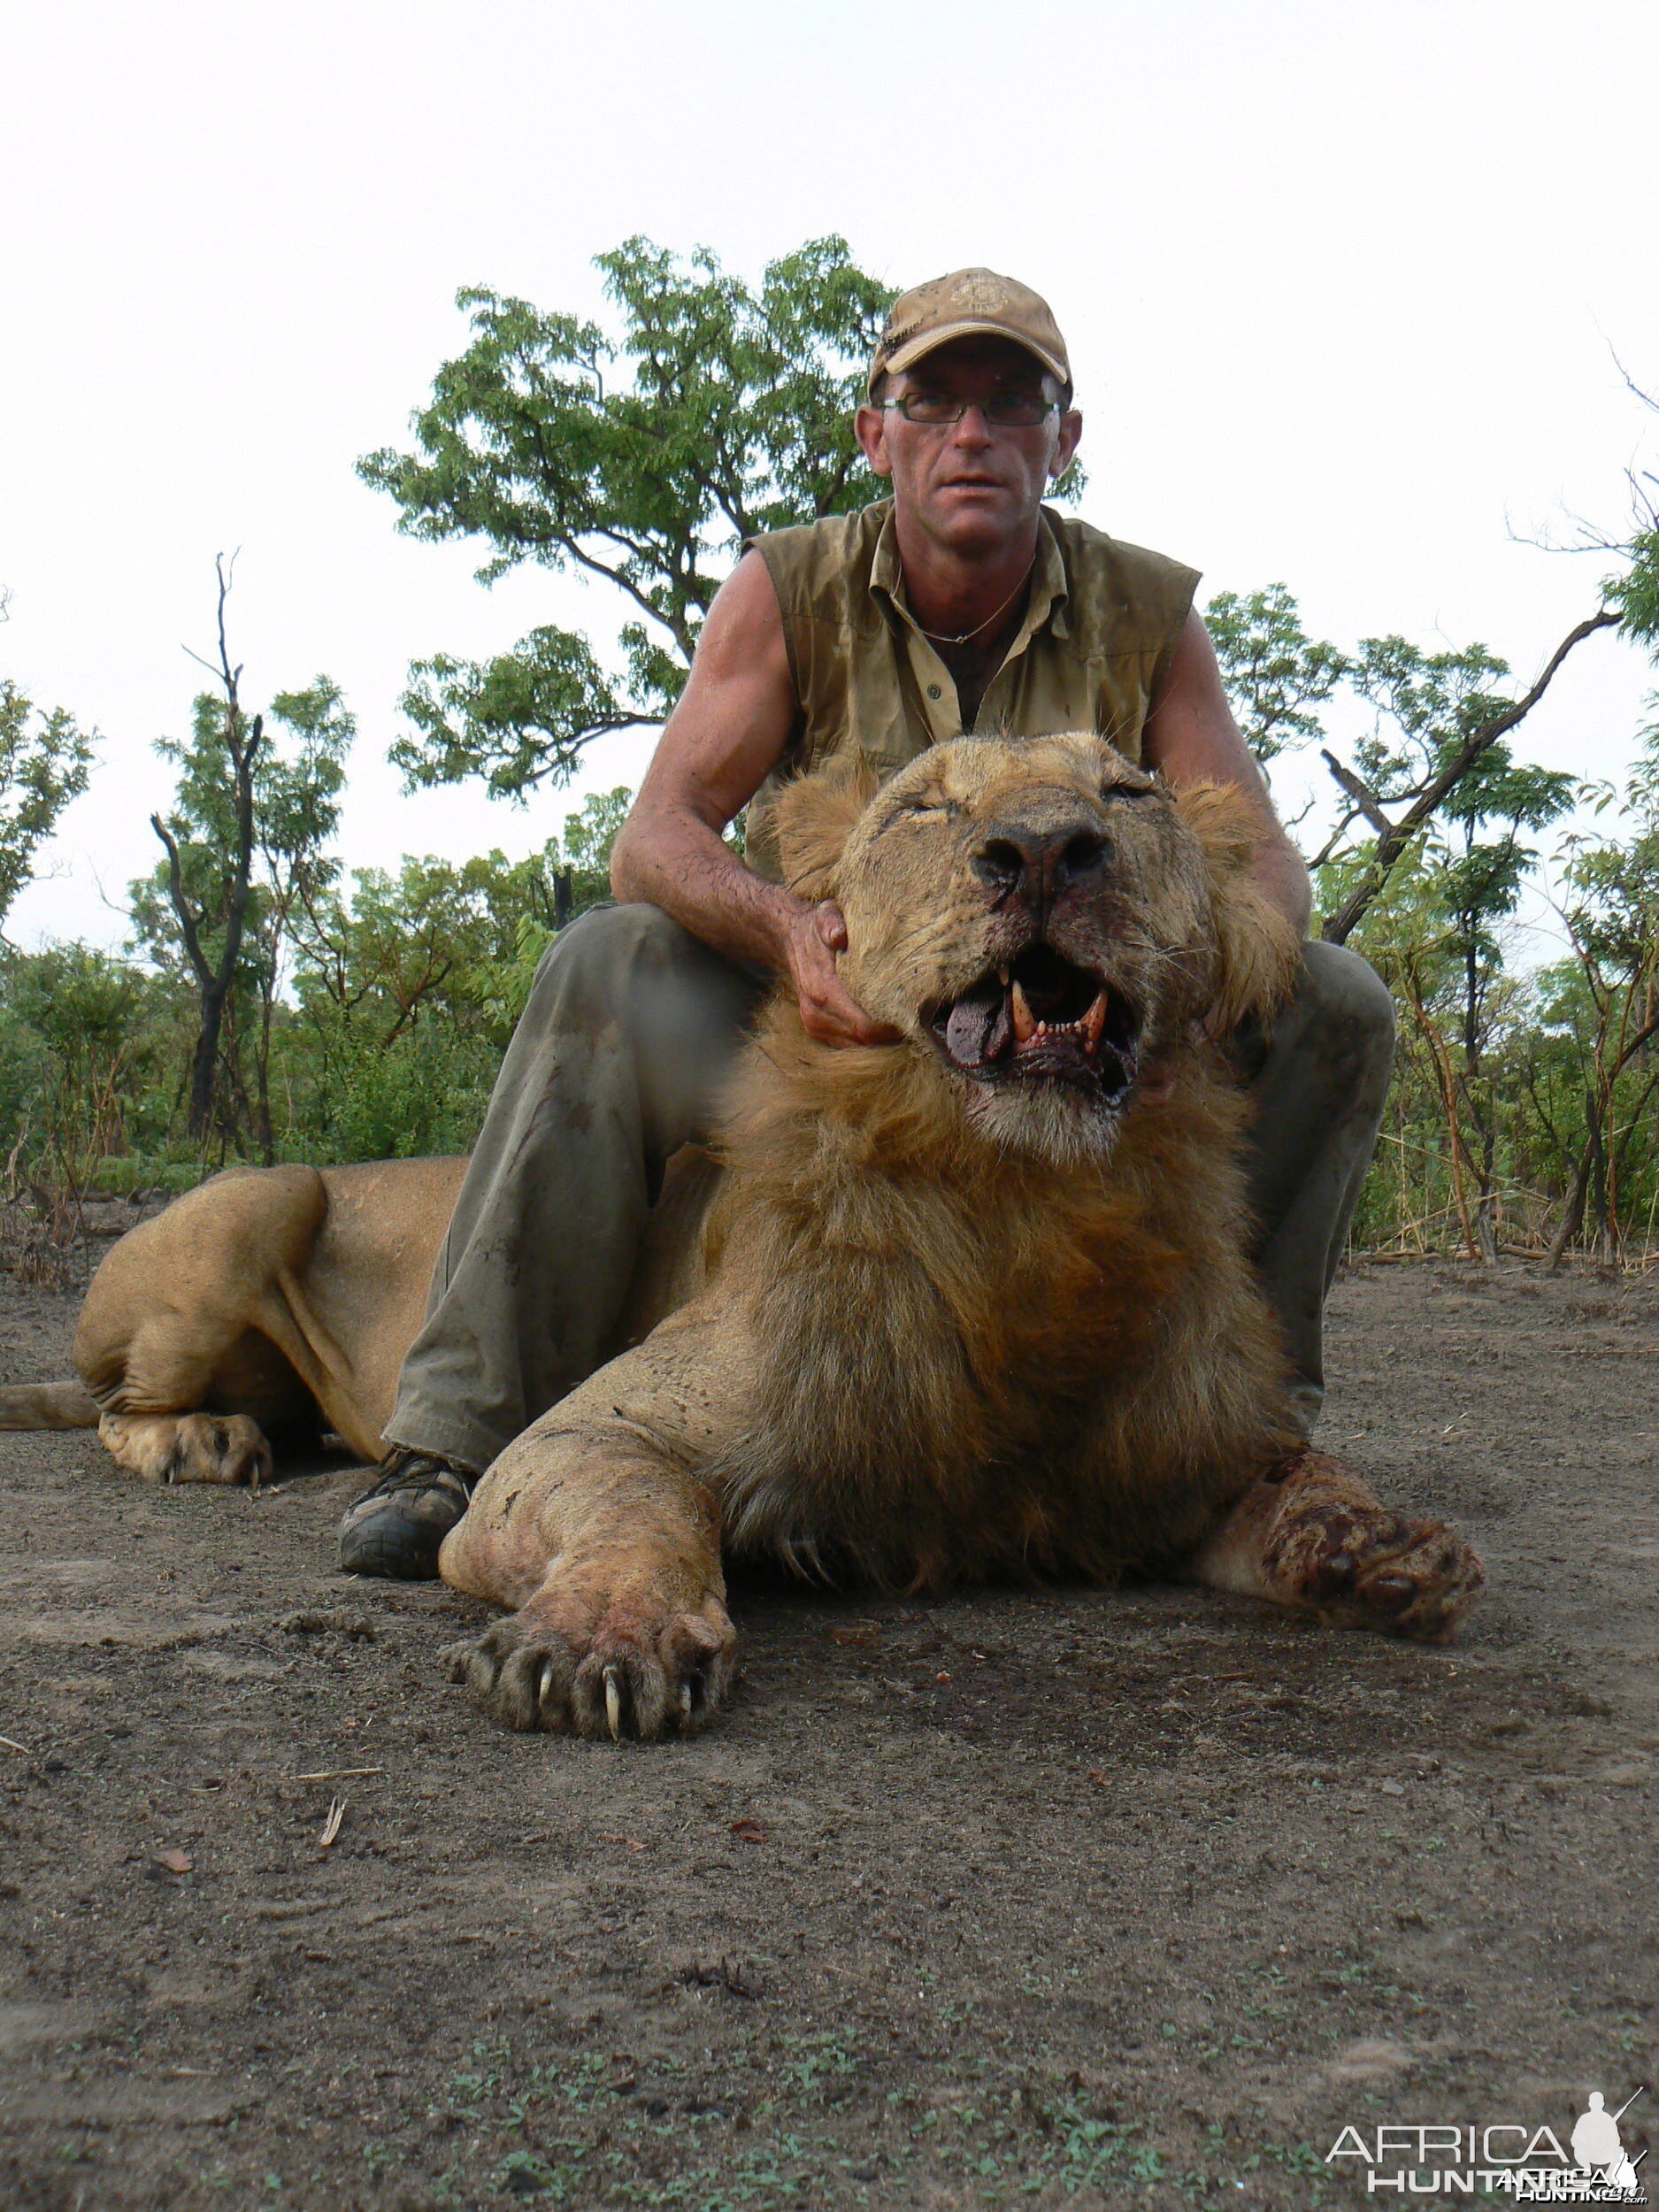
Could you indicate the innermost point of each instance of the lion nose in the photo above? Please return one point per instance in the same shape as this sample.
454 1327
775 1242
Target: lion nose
1037 865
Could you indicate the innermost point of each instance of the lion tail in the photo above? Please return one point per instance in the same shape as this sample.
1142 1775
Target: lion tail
59 1405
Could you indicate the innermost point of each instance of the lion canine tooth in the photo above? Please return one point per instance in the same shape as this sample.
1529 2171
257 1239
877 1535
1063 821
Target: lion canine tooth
1025 1024
613 1705
1094 1022
1002 975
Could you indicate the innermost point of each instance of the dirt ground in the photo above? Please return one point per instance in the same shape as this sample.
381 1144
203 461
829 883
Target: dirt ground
1050 1898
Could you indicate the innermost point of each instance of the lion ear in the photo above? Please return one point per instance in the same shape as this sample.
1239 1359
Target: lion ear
1257 951
815 817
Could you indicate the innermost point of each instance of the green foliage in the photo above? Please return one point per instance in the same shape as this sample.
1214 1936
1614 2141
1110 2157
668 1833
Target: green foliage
513 715
409 990
1636 592
368 1017
299 774
584 851
368 1022
1633 587
423 1094
1423 706
1275 674
255 807
1524 1106
644 454
44 760
1437 939
86 1039
1481 877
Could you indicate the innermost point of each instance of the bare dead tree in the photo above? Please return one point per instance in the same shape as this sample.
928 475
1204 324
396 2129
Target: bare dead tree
1394 834
216 979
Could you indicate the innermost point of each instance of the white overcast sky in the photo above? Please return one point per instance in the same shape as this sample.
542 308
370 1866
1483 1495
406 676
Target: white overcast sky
1342 286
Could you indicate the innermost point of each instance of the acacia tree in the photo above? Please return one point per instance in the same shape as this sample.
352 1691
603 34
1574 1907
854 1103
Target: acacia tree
644 455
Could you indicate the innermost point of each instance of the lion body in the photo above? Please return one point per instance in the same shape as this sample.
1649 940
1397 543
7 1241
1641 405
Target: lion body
978 1303
960 1319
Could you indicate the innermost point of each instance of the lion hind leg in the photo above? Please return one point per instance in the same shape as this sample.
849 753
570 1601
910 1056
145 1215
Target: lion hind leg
167 1447
1314 1536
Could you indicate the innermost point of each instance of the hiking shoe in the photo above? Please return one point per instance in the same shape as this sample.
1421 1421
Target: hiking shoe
395 1527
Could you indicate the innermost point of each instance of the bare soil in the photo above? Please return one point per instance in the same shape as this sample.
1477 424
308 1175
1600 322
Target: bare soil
1052 1897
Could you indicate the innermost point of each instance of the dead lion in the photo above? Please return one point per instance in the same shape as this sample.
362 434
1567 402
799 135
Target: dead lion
977 1303
268 1302
974 1304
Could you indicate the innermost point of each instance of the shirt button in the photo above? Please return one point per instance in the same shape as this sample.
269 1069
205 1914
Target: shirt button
933 691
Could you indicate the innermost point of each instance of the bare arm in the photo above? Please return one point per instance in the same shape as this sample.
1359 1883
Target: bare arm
1191 737
721 742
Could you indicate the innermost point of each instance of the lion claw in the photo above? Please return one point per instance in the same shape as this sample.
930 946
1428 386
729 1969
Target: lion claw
602 1680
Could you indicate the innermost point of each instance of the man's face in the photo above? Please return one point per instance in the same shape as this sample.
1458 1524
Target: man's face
972 486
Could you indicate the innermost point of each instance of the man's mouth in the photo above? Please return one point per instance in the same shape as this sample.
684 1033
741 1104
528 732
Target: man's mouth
1041 1018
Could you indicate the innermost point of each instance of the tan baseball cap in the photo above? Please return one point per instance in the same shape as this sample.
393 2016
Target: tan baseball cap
967 304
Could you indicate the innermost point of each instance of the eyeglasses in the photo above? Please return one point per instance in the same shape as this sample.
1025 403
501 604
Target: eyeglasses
1004 411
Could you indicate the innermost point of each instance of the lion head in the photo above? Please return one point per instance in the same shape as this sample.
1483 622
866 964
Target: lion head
1045 919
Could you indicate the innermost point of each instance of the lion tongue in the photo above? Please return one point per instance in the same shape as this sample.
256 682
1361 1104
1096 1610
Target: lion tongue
968 1032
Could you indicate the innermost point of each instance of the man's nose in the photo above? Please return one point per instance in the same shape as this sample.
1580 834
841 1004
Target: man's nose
972 427
1038 865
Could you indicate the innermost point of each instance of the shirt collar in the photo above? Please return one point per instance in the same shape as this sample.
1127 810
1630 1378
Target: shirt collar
1050 590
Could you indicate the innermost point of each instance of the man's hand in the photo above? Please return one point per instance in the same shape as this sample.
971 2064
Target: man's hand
726 734
828 1011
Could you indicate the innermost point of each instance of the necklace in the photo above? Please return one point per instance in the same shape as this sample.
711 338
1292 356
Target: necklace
937 637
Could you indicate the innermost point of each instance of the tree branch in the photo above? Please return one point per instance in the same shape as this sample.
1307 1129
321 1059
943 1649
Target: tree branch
187 925
1363 797
1392 843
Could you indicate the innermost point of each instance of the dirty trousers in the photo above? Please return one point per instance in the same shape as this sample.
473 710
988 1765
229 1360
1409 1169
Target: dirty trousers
631 1026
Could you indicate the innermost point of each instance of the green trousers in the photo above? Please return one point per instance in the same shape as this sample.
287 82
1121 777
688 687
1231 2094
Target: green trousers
618 1060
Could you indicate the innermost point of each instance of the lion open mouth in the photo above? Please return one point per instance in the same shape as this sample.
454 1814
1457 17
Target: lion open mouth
1041 1018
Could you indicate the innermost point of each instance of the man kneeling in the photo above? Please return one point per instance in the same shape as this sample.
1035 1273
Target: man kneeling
960 604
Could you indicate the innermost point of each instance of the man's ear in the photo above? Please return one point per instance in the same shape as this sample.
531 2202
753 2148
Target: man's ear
1257 952
815 817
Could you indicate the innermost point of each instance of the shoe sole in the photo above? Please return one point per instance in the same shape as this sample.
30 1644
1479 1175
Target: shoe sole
389 1553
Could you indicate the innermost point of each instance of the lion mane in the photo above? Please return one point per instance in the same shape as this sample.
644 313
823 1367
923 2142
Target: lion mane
985 1356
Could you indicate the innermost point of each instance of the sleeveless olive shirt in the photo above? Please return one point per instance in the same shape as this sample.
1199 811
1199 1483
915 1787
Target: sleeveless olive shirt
1100 626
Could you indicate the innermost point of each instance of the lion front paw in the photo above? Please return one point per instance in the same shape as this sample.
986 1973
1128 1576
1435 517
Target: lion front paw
1376 1570
625 1667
